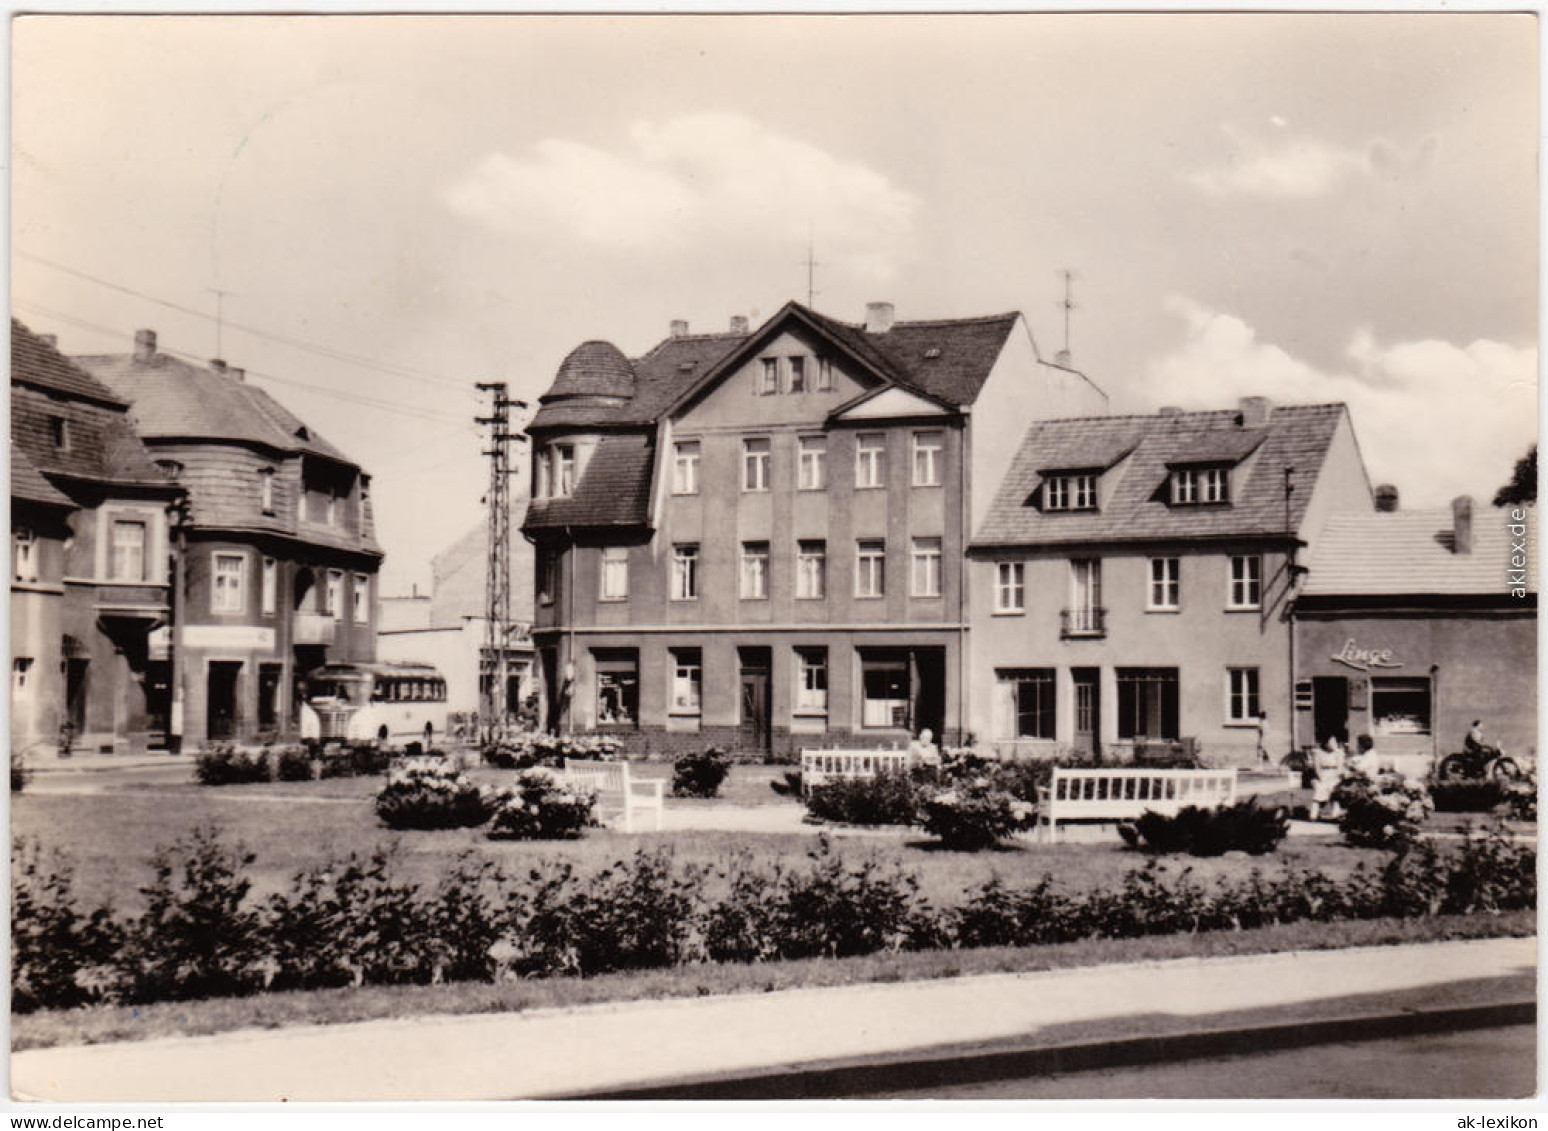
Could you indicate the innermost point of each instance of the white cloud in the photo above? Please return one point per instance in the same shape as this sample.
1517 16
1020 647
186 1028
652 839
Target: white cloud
1306 167
1436 418
700 178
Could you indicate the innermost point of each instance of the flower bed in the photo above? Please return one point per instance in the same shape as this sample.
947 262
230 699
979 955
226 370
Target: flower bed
1384 811
429 793
524 749
542 808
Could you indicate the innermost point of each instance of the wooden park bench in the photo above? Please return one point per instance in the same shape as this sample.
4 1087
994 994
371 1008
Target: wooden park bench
616 791
821 766
1126 793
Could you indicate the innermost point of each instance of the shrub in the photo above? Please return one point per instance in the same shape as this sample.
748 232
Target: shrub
1381 812
540 807
972 814
58 954
886 799
196 938
1242 827
427 793
787 784
226 765
700 774
522 749
293 764
1521 797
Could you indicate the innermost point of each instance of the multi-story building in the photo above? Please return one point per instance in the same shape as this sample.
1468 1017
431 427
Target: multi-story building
1131 582
89 578
755 539
1412 624
280 556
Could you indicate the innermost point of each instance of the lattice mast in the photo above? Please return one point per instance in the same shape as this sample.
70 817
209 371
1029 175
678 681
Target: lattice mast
495 662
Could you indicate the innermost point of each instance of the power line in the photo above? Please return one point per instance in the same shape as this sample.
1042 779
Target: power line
406 372
427 416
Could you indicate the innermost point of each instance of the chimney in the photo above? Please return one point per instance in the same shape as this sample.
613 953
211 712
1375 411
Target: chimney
218 364
878 317
1386 498
144 345
1462 524
49 340
238 373
679 328
739 323
1063 359
1254 411
1168 410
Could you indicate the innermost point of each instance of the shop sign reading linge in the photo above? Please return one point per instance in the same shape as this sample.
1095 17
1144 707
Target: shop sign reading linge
1365 659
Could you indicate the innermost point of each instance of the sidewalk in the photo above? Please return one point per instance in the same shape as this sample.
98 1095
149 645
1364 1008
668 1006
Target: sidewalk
638 1046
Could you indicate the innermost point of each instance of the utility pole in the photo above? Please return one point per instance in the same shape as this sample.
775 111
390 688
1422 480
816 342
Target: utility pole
498 629
180 514
220 318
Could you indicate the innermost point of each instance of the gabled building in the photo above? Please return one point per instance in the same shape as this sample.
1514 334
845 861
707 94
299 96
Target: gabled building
281 554
1131 583
89 554
1412 624
755 539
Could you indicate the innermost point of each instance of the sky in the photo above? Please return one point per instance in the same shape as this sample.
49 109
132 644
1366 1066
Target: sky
386 210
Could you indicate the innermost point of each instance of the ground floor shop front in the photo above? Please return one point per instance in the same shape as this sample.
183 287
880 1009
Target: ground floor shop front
762 695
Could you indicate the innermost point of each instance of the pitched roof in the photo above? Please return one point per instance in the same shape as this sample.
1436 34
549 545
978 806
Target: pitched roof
28 484
614 489
174 399
37 363
948 358
660 377
1413 553
1134 503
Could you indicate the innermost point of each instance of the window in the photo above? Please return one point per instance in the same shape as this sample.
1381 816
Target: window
1084 617
687 681
927 459
229 593
358 604
685 572
541 487
331 508
335 594
59 432
1400 705
797 374
615 573
1010 587
812 456
564 470
755 571
811 680
926 567
266 490
870 568
270 583
1242 695
618 686
1029 697
811 570
824 375
24 552
128 547
1147 704
768 378
21 675
1070 493
685 468
170 468
547 575
1165 588
1246 581
870 460
1196 485
755 465
884 689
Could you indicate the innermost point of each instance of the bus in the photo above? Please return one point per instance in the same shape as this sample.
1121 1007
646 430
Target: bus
381 703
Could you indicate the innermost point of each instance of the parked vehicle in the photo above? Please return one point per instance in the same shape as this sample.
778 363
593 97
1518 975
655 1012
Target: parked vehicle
363 703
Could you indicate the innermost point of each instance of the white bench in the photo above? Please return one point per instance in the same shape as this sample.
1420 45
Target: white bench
616 791
821 766
1126 793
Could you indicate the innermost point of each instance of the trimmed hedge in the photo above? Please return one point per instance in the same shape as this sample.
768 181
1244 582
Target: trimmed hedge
1243 827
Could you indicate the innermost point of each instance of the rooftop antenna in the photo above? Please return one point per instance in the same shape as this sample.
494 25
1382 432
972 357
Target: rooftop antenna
1064 355
220 317
811 268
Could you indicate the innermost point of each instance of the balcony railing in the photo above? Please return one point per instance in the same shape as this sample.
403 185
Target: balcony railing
1082 623
312 628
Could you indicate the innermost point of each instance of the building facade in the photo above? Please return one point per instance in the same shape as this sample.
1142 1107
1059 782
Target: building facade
1132 582
278 550
89 561
1412 624
755 539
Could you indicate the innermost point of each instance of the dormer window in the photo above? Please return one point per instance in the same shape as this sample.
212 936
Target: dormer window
59 433
1195 486
266 490
1075 492
170 468
556 472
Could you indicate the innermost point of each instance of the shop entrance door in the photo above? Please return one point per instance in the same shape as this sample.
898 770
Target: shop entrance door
1088 711
756 706
1330 707
221 700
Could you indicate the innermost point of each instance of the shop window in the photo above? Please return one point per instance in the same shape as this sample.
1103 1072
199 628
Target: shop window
1028 695
812 680
885 690
687 681
618 687
1400 705
1147 704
